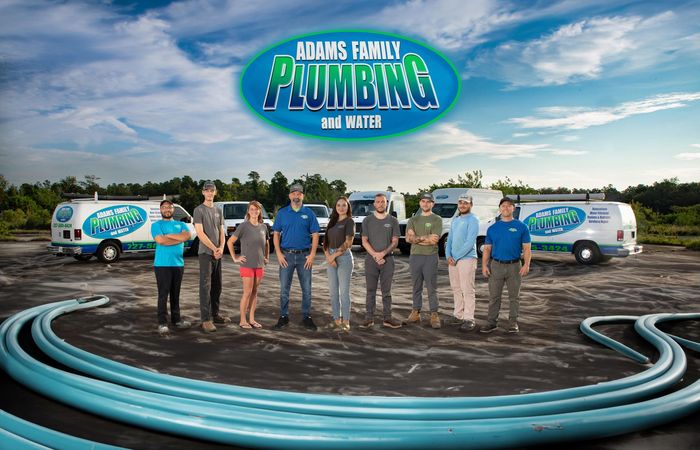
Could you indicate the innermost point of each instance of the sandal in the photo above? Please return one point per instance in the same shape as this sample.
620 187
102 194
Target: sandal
255 324
245 325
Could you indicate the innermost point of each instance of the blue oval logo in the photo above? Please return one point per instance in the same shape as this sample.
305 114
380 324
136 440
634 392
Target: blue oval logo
555 220
114 221
441 197
350 85
64 214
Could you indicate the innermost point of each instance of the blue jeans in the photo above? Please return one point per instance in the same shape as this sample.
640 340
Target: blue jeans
339 285
295 261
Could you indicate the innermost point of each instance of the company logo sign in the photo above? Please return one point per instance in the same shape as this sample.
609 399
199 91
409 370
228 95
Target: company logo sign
350 85
114 221
64 214
556 220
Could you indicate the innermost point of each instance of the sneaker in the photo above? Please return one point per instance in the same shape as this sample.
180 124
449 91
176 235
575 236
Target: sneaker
488 328
391 323
435 320
182 325
281 323
367 324
221 319
513 328
414 316
456 321
309 324
208 326
163 330
467 326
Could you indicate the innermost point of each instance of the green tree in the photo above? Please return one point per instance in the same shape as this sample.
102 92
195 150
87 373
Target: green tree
279 193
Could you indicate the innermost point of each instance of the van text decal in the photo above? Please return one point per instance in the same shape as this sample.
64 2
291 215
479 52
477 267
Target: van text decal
350 85
553 221
114 221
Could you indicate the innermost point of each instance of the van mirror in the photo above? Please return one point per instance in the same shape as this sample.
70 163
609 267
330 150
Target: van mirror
186 219
393 213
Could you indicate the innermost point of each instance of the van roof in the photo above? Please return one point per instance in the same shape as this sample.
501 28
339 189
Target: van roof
366 195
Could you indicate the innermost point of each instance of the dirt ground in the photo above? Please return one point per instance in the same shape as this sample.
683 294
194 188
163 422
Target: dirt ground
549 353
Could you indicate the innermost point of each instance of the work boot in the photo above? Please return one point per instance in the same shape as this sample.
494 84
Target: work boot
208 326
391 323
182 324
308 323
221 319
435 320
513 328
367 324
282 323
414 317
488 328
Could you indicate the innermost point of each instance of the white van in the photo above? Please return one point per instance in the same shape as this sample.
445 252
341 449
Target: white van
323 215
108 227
362 204
485 207
593 231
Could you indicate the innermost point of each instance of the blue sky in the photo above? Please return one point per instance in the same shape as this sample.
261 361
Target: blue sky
555 93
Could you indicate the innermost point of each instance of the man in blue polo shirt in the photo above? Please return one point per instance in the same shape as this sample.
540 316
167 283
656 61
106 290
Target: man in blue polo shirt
296 238
169 266
505 241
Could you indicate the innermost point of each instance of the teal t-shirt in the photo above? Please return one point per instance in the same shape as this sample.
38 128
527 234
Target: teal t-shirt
168 255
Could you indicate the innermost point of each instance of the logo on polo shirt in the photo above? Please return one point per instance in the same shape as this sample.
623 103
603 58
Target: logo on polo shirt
513 230
304 216
387 225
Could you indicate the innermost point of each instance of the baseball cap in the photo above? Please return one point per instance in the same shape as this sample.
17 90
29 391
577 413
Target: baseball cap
466 198
164 201
427 196
209 185
506 199
296 187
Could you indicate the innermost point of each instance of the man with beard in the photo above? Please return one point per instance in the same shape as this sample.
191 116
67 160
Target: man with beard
505 240
460 251
423 233
169 265
296 238
380 236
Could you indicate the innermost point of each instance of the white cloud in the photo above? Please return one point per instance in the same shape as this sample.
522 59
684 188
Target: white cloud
577 118
586 49
688 156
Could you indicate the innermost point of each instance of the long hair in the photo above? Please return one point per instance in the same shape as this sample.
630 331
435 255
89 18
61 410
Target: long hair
335 216
259 208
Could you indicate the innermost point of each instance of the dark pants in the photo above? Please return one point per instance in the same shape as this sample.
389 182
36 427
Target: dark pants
209 286
382 276
168 280
424 269
508 275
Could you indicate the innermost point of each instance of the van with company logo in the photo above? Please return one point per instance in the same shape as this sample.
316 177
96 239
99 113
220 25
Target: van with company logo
362 204
583 224
109 226
485 207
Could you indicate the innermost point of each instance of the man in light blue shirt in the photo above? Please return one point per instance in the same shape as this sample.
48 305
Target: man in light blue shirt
169 266
460 251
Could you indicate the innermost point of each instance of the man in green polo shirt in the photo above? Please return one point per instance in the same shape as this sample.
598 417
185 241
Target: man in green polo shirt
423 233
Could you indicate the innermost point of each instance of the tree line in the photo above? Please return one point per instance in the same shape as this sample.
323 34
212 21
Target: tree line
30 206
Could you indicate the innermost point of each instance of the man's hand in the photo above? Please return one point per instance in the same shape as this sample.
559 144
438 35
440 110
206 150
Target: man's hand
524 270
309 262
282 260
485 271
451 261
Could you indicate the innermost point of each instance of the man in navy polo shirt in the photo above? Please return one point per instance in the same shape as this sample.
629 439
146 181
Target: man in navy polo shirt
505 241
296 238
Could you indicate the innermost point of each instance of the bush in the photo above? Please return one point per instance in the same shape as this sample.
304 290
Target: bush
693 244
13 218
658 239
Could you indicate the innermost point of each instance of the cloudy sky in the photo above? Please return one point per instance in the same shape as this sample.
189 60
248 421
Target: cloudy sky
555 93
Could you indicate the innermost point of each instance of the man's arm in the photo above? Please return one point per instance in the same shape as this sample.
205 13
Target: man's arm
278 250
485 260
203 238
527 256
312 254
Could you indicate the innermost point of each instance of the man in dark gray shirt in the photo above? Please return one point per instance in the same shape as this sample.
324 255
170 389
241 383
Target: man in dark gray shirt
209 224
380 236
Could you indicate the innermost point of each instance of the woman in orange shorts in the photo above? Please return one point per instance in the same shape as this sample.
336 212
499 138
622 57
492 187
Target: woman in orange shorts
255 254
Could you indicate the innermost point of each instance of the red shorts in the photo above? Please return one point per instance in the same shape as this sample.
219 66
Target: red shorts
248 272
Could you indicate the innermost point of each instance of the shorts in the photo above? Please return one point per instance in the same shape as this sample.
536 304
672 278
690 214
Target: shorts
249 272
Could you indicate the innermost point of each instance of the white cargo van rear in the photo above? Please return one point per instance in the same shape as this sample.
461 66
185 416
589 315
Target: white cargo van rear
107 228
362 204
593 231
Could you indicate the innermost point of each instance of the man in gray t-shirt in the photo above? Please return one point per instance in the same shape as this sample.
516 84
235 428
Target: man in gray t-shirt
209 224
380 236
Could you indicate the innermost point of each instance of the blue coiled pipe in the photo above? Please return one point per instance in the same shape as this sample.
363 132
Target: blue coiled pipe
272 419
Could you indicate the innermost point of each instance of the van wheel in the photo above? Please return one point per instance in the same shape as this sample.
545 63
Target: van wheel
587 253
108 252
82 257
480 246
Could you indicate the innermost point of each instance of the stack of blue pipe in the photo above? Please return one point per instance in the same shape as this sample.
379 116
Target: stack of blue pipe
260 418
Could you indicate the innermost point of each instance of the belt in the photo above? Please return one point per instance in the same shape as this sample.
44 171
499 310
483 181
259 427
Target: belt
291 250
510 261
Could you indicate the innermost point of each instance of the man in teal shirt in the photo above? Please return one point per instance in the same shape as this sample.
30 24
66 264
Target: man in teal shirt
169 266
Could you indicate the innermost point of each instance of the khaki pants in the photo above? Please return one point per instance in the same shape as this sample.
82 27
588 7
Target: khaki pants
508 274
462 283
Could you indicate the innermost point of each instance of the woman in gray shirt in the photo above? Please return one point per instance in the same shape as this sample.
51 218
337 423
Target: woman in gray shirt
255 253
336 247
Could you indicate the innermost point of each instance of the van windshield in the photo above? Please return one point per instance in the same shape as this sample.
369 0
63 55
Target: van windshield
362 207
236 211
444 210
320 211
